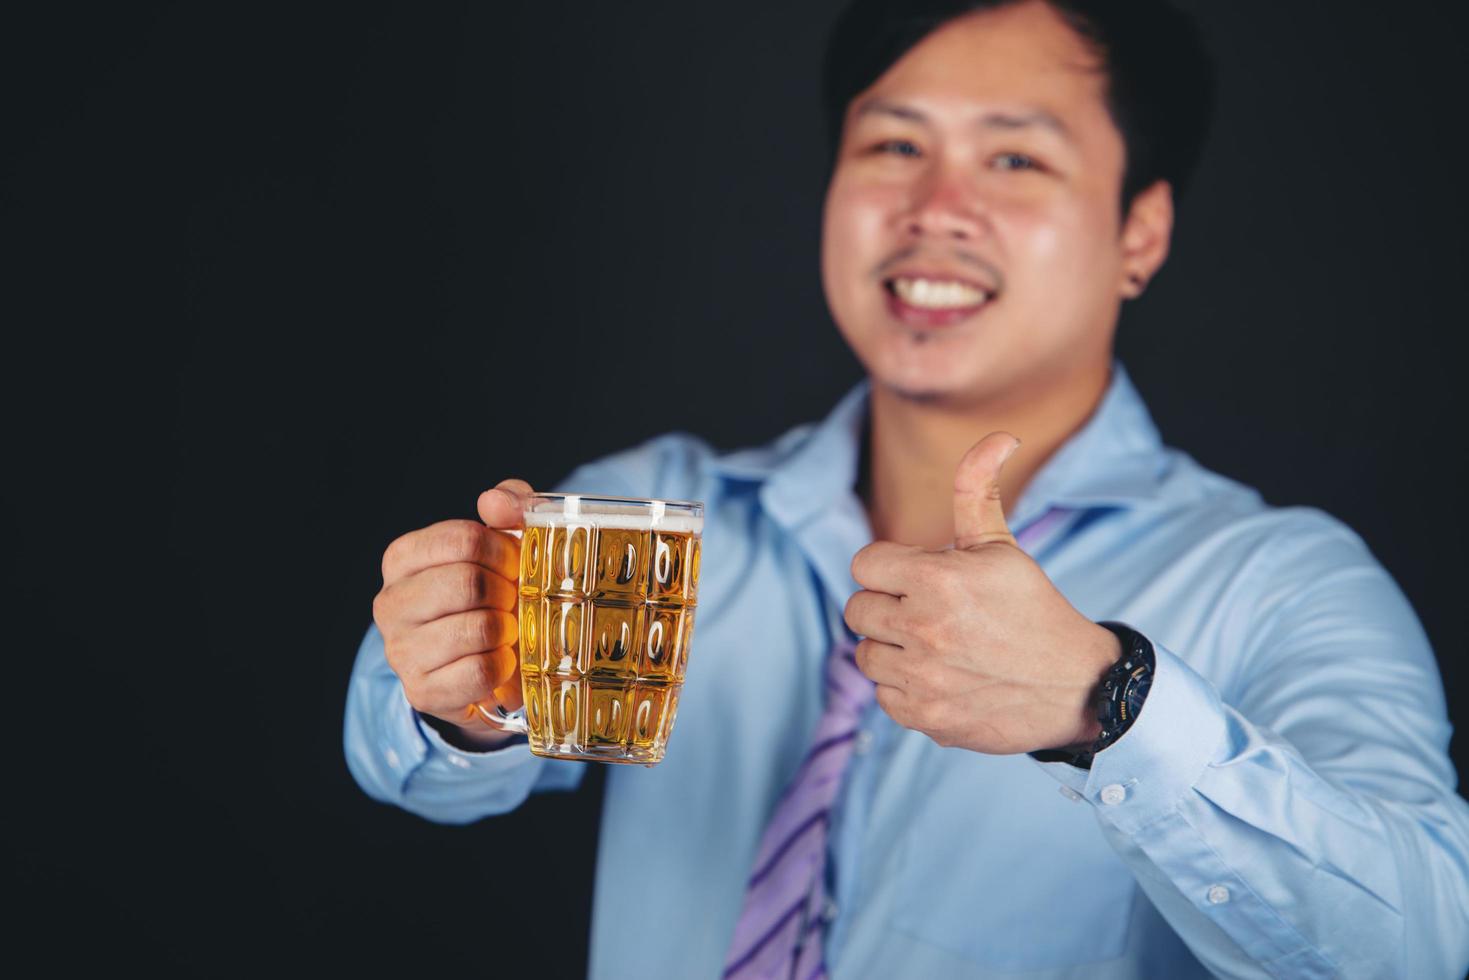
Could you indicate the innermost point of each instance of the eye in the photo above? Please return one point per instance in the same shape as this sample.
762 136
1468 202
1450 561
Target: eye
1014 161
900 147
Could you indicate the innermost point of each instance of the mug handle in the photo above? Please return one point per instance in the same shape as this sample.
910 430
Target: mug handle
497 717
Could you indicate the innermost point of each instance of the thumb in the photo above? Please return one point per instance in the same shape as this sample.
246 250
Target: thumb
501 506
978 516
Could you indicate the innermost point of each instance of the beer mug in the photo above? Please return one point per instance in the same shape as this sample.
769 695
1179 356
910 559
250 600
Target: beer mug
608 587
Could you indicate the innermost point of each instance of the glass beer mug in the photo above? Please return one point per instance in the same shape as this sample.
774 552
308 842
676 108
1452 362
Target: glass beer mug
608 587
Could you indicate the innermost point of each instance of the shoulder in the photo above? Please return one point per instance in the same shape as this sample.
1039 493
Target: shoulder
1217 506
1283 568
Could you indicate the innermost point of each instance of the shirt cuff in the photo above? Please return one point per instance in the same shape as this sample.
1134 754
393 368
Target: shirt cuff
439 743
1142 776
421 755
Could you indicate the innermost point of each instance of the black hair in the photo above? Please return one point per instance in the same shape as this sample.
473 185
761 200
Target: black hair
1160 76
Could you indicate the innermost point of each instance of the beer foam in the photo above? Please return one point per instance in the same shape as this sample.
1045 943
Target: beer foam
604 512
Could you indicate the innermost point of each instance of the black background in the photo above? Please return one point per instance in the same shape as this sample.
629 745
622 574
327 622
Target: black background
283 282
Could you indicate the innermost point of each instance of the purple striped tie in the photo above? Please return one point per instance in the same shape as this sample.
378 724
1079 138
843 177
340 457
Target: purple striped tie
782 925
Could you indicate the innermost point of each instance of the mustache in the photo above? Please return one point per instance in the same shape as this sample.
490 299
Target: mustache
988 271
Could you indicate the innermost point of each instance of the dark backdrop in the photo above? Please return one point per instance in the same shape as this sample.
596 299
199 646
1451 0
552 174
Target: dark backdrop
285 281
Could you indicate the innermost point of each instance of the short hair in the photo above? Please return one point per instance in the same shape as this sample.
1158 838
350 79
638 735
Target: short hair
1160 76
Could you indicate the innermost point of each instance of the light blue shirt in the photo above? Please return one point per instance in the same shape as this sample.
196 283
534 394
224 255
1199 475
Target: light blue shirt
1283 806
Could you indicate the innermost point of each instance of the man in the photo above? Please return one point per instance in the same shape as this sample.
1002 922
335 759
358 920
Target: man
1237 706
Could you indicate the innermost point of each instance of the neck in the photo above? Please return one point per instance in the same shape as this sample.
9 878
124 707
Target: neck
915 447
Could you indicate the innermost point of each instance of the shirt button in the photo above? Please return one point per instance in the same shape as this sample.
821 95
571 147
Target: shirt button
1113 794
863 743
829 911
1071 794
392 758
1218 895
459 761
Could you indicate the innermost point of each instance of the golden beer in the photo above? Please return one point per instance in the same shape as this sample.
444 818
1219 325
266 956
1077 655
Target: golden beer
608 590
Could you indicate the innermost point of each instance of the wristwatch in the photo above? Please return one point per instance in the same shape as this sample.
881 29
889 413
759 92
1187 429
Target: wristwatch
1120 695
1125 686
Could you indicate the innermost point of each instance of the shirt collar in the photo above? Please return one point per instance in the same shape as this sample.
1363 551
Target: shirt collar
1116 459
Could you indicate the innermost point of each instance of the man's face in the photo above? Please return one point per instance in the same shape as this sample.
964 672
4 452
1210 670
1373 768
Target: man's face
970 247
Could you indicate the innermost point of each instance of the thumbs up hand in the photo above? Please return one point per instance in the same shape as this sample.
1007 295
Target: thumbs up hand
974 646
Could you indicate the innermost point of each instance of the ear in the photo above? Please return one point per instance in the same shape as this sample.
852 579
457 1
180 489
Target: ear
1146 234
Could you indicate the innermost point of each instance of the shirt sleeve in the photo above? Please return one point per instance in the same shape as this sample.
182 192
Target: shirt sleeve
1311 827
396 758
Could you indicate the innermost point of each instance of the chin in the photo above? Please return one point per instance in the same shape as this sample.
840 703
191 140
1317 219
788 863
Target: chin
923 376
924 388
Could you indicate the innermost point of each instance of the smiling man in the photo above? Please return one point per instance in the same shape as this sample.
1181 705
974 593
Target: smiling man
988 681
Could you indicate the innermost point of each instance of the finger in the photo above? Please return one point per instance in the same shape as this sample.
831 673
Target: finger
503 506
449 542
443 591
880 662
433 645
979 517
508 695
894 702
449 689
883 566
876 615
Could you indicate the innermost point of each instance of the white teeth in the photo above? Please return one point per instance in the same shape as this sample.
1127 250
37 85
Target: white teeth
937 294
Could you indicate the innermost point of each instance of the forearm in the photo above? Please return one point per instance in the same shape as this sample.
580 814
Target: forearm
1262 864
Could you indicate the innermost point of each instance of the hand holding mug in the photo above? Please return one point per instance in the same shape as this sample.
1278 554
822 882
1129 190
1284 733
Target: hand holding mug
447 613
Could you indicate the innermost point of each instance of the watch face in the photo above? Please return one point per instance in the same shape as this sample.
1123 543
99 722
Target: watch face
1135 692
1126 685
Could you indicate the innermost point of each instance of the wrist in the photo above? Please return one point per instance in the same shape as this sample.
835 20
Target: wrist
1125 686
1103 651
479 739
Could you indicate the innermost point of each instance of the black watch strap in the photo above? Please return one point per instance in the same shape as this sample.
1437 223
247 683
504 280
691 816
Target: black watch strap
1123 689
1119 696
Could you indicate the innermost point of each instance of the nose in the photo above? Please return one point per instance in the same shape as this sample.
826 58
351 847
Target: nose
943 207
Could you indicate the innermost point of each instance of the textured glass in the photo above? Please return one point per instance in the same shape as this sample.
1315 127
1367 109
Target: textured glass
606 618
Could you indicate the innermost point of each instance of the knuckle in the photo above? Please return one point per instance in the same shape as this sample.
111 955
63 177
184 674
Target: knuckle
491 631
473 631
423 699
491 544
471 584
393 555
483 677
393 657
400 659
895 618
459 540
887 700
415 701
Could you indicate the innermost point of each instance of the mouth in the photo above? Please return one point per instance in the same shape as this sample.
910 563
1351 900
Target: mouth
929 302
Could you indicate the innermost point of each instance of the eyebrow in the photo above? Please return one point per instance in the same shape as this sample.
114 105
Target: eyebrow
989 120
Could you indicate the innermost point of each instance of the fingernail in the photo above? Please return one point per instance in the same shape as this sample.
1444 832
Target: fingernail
1011 451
